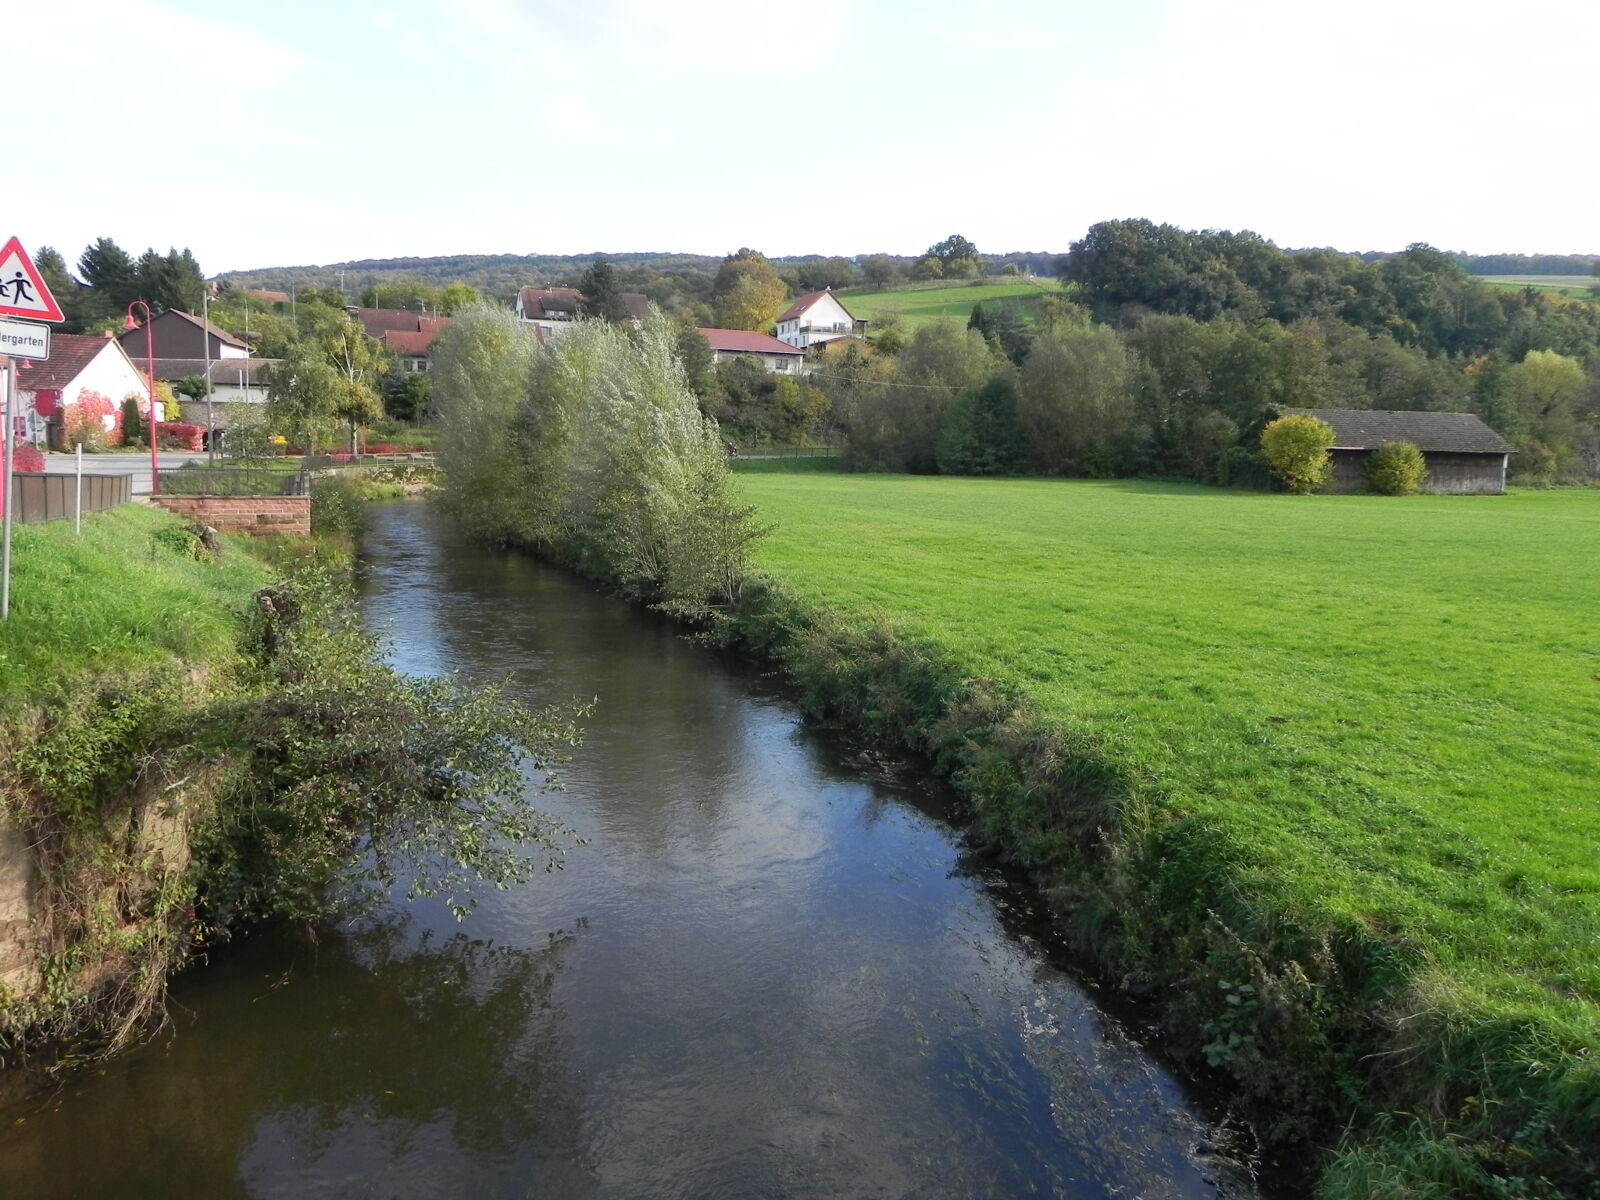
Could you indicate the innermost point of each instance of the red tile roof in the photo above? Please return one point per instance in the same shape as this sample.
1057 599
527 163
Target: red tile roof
376 320
270 297
409 341
70 354
743 341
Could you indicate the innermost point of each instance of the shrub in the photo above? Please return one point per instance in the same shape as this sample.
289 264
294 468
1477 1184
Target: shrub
378 448
1296 449
179 435
1396 469
84 422
27 460
336 507
132 423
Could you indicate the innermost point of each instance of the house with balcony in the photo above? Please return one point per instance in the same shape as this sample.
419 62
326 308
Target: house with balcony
815 318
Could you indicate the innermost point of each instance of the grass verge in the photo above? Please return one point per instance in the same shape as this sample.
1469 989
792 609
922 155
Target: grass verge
1317 772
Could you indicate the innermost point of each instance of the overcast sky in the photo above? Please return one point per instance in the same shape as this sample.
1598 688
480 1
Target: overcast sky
313 131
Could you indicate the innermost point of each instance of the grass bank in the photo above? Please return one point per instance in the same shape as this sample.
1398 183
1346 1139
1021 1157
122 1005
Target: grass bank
1320 773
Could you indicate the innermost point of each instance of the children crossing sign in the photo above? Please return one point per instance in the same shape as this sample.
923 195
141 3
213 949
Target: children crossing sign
22 291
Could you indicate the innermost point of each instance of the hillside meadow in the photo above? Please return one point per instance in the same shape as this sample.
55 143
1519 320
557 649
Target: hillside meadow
920 304
1561 285
1387 707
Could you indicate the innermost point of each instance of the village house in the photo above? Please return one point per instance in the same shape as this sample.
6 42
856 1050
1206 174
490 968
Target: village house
553 310
775 357
177 334
87 376
1464 455
408 335
815 318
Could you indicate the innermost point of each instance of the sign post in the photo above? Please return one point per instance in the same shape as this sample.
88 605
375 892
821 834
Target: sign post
22 294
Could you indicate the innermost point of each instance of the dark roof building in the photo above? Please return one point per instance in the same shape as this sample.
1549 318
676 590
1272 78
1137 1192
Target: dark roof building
1463 454
177 334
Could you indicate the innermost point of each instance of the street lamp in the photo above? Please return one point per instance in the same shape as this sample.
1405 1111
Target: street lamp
150 378
211 412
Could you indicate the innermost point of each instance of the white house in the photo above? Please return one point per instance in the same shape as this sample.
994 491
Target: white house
815 318
550 310
92 373
776 357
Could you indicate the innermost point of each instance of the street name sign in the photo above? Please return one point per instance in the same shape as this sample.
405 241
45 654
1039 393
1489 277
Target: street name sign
24 339
22 291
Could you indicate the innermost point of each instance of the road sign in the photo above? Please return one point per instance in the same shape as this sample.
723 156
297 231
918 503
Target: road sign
22 292
24 339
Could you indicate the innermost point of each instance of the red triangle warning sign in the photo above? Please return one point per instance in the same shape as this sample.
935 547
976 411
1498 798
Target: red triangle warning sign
22 292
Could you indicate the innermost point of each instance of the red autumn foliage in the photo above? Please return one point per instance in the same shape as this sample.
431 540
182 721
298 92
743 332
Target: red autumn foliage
27 460
179 435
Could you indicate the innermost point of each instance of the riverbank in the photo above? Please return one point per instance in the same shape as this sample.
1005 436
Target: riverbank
1277 893
197 738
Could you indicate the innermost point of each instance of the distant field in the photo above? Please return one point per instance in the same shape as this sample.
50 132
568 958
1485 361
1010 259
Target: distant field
919 304
1565 285
1392 703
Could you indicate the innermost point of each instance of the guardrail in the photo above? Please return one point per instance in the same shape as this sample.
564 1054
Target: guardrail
39 498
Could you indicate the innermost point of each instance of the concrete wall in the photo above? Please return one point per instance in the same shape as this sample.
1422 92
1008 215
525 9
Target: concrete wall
257 516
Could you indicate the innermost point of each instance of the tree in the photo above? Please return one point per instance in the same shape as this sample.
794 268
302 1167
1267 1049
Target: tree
747 293
695 353
825 273
880 271
601 297
405 394
1076 403
303 393
928 267
456 296
133 430
1296 449
954 254
1546 387
1004 329
980 434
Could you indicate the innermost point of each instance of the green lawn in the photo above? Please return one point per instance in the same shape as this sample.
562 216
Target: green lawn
1561 285
920 304
1394 702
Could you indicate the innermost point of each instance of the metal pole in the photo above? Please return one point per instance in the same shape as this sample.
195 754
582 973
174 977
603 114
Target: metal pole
77 505
5 491
150 368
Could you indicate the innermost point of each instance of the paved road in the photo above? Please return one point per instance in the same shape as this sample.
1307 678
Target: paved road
137 465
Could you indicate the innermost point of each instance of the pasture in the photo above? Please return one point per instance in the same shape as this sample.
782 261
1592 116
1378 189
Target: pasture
1561 285
1393 703
921 304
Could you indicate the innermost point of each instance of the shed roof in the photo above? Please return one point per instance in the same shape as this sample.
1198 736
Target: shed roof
1439 432
743 341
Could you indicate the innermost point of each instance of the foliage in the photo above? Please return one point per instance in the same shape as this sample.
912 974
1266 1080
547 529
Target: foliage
747 292
1296 449
405 394
481 367
84 422
1004 328
980 434
699 363
179 435
879 271
818 274
956 256
1076 403
1284 793
601 296
133 430
1396 469
26 459
337 509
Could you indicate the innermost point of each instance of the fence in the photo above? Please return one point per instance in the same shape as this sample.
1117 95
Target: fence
51 497
789 450
233 481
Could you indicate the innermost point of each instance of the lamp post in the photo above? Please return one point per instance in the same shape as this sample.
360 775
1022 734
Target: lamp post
150 379
211 412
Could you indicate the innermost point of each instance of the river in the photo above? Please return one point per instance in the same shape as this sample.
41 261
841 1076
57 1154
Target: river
771 971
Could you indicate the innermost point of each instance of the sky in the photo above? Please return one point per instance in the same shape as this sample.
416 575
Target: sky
317 131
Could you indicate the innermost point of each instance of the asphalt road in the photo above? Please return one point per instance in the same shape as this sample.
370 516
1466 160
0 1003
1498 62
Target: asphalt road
137 465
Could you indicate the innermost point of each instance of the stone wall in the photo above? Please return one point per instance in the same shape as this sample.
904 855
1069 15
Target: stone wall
254 515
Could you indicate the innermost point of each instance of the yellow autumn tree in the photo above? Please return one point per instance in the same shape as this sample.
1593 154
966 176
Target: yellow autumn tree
747 293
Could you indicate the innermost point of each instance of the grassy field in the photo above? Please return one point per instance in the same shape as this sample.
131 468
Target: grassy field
920 304
1391 705
1561 285
122 598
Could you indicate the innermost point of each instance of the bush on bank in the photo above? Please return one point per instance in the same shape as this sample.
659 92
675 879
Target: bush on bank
184 751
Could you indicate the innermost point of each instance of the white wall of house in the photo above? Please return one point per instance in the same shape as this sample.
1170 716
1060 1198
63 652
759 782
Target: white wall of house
774 364
108 373
226 351
822 321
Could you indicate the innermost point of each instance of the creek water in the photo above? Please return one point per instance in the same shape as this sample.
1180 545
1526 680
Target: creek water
771 971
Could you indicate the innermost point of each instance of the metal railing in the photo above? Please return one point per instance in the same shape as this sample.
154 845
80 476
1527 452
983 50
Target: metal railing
233 481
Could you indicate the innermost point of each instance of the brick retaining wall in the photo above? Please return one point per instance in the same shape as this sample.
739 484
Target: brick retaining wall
255 515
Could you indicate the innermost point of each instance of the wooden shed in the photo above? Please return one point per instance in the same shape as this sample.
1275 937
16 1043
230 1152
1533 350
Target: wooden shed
1464 455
